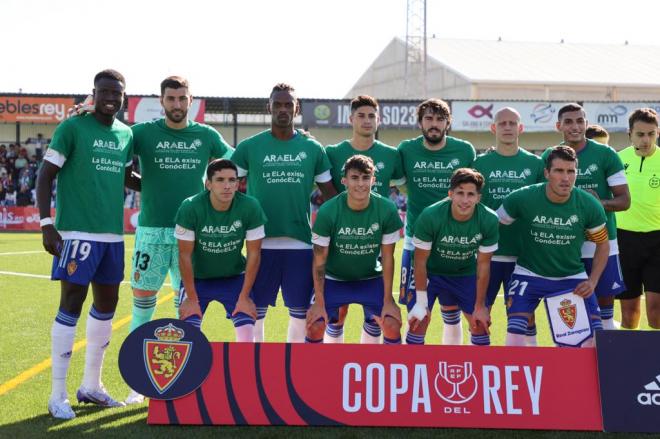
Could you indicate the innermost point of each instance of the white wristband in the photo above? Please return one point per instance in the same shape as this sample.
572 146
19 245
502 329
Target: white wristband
420 309
45 221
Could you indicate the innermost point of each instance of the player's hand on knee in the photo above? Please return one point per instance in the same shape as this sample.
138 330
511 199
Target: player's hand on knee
480 320
391 309
585 288
189 308
246 306
51 239
316 312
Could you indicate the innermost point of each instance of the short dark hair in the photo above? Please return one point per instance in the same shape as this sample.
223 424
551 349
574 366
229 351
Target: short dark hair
647 115
282 86
218 165
110 74
596 131
364 101
175 82
360 163
466 175
561 152
437 106
569 108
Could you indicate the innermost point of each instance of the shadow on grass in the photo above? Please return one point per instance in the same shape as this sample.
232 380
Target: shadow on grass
130 422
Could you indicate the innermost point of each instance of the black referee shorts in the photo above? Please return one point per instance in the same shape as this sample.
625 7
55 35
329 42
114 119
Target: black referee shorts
639 253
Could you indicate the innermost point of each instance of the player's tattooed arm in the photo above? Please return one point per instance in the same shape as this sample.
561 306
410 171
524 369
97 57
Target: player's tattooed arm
52 241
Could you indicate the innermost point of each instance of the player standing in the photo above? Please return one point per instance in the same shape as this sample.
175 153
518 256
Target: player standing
211 228
554 219
600 172
173 152
91 157
428 164
364 119
281 167
350 232
639 226
454 241
507 168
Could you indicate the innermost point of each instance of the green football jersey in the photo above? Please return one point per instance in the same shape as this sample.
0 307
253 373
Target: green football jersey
428 172
552 234
454 244
90 185
599 167
355 235
219 235
385 157
172 164
503 175
280 174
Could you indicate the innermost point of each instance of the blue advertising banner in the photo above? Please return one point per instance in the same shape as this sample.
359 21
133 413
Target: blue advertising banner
629 378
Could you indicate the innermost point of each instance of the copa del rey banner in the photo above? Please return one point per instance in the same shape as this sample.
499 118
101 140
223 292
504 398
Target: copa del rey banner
146 109
375 385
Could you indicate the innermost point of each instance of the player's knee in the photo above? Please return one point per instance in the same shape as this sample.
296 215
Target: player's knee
315 330
391 327
421 327
343 312
72 298
143 293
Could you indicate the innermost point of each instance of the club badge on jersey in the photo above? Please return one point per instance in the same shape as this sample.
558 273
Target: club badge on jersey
175 356
568 317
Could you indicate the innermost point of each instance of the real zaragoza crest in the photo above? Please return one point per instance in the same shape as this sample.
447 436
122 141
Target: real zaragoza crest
166 356
567 312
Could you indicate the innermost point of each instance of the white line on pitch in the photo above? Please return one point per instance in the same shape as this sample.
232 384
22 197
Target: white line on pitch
43 276
29 252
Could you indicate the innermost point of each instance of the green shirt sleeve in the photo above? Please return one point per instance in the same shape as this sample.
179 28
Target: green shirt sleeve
323 225
614 163
393 221
63 139
511 204
219 148
491 229
185 216
595 213
322 161
423 227
239 156
257 216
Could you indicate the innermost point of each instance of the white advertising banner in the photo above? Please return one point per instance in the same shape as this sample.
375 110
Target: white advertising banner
613 116
146 109
478 115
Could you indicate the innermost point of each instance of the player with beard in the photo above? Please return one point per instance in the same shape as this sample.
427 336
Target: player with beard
429 161
282 166
91 158
173 153
600 172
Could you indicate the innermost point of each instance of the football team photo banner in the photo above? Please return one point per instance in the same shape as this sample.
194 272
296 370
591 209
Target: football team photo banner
375 385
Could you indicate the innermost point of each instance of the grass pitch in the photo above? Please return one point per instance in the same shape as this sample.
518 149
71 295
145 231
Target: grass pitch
29 302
